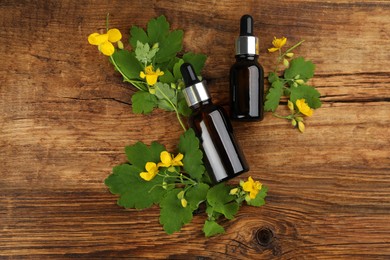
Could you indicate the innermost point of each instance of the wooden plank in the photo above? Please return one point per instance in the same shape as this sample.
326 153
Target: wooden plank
65 117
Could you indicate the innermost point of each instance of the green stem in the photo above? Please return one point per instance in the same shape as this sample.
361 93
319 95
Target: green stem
293 47
135 83
174 108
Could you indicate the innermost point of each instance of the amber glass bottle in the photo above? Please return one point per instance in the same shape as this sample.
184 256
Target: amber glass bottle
246 76
222 155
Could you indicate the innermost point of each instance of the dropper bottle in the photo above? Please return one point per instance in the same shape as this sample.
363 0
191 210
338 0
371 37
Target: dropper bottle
246 76
222 155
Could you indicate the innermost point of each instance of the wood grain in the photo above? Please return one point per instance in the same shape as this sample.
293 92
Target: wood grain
65 117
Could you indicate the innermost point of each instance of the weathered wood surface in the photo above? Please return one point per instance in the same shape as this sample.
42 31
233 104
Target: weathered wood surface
65 117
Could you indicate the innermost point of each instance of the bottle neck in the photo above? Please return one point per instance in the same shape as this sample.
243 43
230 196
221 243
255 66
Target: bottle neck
247 57
200 105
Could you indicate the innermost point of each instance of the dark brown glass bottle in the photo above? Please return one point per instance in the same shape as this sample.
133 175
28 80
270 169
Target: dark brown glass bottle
222 156
246 76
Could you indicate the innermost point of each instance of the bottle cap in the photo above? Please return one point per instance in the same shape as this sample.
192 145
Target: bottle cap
247 43
195 91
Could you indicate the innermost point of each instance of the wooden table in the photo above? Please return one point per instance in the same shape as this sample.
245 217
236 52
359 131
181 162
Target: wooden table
66 117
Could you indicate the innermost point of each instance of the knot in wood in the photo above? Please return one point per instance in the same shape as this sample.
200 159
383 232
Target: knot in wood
264 236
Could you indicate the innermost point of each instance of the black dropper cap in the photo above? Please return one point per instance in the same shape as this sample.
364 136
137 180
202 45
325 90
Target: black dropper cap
247 43
246 25
189 75
195 91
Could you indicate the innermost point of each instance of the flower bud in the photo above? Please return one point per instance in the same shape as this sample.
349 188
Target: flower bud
300 81
241 183
180 195
301 126
297 76
183 202
286 63
152 91
173 85
294 122
120 45
247 198
295 85
290 105
164 185
155 46
290 54
233 191
181 85
299 118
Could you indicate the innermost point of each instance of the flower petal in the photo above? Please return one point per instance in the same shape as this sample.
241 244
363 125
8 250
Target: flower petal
273 49
97 39
151 79
151 167
165 157
147 176
107 48
114 35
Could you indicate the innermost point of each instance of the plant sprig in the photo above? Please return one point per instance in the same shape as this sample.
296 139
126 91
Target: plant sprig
302 98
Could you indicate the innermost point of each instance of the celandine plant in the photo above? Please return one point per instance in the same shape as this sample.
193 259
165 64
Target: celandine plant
177 183
302 98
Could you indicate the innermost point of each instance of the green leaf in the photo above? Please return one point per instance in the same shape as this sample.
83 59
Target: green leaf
166 96
172 215
192 161
139 154
176 69
196 60
157 29
221 201
167 77
169 46
143 102
123 58
182 105
298 66
144 54
212 228
134 192
310 94
137 34
196 195
272 77
273 96
259 200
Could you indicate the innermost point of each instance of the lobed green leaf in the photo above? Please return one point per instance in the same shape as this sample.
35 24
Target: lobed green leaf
143 102
273 96
212 228
173 215
310 94
192 161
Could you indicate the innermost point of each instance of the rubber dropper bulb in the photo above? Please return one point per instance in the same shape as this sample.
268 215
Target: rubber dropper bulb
189 75
246 25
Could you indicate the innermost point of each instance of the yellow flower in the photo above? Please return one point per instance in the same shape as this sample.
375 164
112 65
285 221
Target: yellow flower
105 41
151 75
252 187
278 43
167 160
151 171
303 107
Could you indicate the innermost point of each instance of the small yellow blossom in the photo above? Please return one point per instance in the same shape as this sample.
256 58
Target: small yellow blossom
105 41
278 43
151 171
301 126
167 160
251 186
304 107
151 75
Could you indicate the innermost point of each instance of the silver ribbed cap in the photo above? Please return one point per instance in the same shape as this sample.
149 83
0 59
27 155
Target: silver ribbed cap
247 45
196 93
